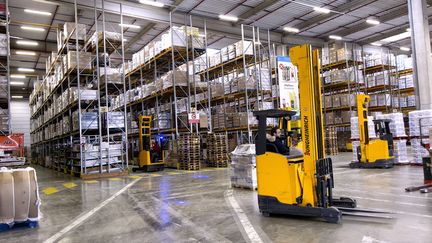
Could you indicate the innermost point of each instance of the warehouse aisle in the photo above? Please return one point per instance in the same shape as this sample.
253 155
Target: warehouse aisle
179 206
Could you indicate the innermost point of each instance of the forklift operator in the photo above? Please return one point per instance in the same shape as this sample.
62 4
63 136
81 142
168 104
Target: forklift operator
275 138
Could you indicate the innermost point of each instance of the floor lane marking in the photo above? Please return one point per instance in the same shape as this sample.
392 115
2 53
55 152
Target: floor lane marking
155 175
91 182
69 185
115 179
243 219
87 215
173 173
50 190
368 239
135 176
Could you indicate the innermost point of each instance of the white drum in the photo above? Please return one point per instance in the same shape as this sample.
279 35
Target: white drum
22 194
7 203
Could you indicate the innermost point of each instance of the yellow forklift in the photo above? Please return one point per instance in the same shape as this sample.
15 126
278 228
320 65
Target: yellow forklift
301 184
376 153
148 160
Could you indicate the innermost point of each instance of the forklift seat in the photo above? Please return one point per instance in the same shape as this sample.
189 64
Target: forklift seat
271 147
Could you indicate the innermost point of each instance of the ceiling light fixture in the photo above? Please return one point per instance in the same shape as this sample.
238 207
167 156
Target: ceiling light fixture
373 21
20 76
397 37
335 37
376 44
17 97
16 83
291 29
228 18
26 53
37 12
31 70
404 48
130 26
408 29
47 2
152 3
32 28
27 43
321 10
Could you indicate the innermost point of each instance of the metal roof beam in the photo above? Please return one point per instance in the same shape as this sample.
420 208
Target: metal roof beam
399 12
138 36
334 12
260 7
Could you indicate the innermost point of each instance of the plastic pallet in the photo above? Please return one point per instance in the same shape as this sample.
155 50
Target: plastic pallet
27 224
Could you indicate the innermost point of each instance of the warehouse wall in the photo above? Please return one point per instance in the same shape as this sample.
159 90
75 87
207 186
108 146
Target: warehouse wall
20 119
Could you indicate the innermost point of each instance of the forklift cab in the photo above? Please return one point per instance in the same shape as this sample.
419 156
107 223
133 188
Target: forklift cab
261 143
382 129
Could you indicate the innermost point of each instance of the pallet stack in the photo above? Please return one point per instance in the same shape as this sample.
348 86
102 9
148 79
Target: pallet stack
189 152
217 150
331 141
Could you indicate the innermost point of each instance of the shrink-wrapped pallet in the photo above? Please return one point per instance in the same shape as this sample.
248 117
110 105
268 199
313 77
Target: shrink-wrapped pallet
419 123
355 128
243 167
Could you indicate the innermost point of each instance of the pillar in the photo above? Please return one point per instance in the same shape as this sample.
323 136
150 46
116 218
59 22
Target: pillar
421 53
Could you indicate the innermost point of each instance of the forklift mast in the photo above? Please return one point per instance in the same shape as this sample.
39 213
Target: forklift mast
308 64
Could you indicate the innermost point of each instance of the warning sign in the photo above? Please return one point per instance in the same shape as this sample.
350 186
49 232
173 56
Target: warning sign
193 118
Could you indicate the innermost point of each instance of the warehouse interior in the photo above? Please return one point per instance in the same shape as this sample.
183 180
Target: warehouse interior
215 121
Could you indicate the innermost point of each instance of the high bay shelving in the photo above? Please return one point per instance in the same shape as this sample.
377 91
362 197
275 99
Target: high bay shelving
74 129
5 97
88 81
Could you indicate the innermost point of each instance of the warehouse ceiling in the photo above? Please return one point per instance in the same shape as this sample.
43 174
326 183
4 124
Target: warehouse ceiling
344 18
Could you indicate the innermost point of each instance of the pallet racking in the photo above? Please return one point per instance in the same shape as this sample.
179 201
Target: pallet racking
74 127
5 97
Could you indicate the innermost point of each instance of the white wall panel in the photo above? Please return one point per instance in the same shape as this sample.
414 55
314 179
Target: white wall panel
20 119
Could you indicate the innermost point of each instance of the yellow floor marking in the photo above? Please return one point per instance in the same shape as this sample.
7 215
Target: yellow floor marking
221 168
173 173
155 175
69 185
115 179
134 176
91 181
50 190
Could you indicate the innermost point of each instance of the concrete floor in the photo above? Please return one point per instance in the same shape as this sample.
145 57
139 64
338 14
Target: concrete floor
179 206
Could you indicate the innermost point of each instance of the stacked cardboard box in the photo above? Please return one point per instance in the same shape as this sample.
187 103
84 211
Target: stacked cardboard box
419 124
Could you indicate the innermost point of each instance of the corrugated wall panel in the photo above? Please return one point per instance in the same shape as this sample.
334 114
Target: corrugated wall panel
20 119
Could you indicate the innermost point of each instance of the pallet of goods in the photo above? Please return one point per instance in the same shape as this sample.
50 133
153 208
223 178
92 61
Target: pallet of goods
19 198
243 167
189 152
217 150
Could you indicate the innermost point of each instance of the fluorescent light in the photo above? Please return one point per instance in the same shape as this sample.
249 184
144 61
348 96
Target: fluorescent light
37 12
397 37
47 2
291 29
376 44
26 70
321 10
32 28
404 49
228 18
17 97
27 43
152 3
372 21
20 76
130 26
335 37
26 53
16 83
408 29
